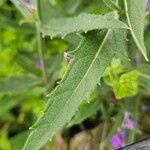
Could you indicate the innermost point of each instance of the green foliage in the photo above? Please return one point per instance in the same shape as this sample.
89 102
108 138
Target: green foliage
123 84
100 57
127 85
144 77
18 84
64 26
6 103
4 142
62 109
136 22
112 5
18 141
86 110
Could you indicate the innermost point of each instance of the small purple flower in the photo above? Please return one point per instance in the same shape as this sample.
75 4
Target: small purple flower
38 64
118 140
127 122
123 134
148 5
27 4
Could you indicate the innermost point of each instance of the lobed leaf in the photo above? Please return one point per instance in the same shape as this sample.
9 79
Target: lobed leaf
135 12
127 85
82 23
90 59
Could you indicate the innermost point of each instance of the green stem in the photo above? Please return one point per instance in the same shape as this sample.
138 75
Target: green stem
101 146
144 75
106 116
135 117
39 9
41 47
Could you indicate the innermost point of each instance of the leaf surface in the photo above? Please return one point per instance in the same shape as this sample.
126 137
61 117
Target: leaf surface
16 84
135 12
82 23
7 103
88 63
85 111
111 4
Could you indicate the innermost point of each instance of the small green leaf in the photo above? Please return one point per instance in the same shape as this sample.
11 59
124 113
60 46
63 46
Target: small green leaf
127 85
135 12
6 103
86 110
112 72
115 68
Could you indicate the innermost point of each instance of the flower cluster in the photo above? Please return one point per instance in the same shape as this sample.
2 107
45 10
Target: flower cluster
118 140
128 123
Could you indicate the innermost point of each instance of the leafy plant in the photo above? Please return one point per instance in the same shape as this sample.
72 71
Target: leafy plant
100 59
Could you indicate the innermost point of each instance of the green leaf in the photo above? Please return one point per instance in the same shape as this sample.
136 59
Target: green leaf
90 59
144 77
16 84
127 85
18 140
82 23
6 103
115 68
111 4
112 72
4 141
20 6
135 12
27 62
85 111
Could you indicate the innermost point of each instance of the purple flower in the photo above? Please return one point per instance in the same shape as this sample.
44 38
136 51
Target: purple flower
123 134
127 122
27 4
148 5
118 140
38 64
115 141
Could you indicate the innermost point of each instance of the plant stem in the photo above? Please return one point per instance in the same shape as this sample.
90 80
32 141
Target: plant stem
135 117
41 47
104 132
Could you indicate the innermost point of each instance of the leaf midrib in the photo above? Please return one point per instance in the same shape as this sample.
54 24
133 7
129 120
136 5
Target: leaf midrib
132 32
105 38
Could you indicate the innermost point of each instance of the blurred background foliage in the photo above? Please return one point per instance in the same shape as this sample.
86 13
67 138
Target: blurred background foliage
23 91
